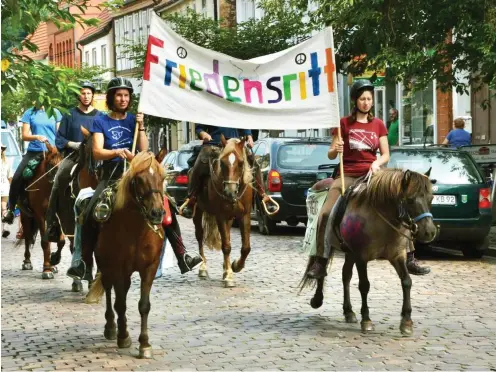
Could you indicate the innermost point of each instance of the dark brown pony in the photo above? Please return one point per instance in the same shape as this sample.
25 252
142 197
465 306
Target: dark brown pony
33 217
84 175
131 240
381 218
228 194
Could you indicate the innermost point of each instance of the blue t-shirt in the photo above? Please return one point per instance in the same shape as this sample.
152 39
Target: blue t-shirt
70 127
459 137
117 134
41 124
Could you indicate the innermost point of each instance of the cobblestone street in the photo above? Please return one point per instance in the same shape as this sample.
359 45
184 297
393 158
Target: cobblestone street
262 323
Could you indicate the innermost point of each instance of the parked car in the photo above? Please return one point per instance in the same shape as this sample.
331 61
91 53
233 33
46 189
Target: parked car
13 152
462 195
290 166
176 162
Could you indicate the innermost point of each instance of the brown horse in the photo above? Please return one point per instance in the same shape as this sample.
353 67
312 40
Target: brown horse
83 176
228 194
33 215
131 240
378 219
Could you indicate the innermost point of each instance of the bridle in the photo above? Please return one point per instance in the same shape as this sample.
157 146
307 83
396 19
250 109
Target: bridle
216 179
153 221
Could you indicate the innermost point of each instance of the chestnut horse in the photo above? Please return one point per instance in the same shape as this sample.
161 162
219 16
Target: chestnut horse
84 175
378 219
131 240
228 194
33 214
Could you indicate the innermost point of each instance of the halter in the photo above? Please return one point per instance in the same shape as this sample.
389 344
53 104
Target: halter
144 211
229 182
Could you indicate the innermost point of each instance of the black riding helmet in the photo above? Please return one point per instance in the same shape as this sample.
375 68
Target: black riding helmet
87 84
358 87
120 83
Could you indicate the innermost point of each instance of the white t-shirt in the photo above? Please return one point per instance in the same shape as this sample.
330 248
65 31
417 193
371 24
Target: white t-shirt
5 173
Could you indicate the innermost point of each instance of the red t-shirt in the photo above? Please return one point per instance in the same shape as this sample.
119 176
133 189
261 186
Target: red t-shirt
361 142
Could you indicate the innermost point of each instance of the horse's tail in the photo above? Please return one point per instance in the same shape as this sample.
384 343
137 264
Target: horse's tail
211 235
96 292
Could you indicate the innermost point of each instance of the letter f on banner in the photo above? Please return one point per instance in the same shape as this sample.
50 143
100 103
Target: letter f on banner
152 40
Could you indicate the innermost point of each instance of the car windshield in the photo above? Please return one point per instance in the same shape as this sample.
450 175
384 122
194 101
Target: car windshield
448 167
8 140
303 155
182 160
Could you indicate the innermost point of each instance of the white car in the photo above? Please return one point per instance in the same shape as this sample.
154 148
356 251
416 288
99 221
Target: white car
13 152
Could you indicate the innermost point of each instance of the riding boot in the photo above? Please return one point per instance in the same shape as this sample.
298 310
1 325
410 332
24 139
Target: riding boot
9 217
187 263
414 267
184 260
195 176
318 269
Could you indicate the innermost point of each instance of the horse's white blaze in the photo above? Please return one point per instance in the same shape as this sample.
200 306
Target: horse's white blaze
231 158
151 170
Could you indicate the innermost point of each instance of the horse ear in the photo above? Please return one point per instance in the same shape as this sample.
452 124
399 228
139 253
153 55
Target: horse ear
428 173
223 140
161 155
86 132
405 182
241 144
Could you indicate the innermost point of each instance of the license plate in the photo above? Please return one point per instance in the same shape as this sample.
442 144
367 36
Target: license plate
444 200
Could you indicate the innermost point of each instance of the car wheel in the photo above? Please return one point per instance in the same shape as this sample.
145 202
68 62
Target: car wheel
476 249
265 225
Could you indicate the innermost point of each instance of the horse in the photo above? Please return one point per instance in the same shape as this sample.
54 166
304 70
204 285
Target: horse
131 240
375 219
33 214
228 194
83 176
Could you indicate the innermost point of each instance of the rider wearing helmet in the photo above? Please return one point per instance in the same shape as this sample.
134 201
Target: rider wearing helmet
362 136
68 140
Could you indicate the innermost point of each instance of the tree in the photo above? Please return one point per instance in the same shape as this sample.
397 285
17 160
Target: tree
44 84
423 40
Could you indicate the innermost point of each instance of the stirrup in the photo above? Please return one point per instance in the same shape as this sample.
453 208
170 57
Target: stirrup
272 201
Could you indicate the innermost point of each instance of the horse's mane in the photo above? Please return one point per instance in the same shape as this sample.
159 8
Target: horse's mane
230 147
141 162
389 186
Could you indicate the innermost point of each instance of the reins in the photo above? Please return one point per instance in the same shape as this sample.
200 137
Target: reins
46 173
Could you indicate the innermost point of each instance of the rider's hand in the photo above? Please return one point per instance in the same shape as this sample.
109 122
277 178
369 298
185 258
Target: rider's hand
206 137
120 153
249 142
129 154
375 167
338 146
140 118
41 138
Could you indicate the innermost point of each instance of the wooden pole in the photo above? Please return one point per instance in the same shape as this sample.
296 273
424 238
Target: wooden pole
341 168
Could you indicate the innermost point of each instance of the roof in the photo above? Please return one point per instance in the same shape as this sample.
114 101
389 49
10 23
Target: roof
102 28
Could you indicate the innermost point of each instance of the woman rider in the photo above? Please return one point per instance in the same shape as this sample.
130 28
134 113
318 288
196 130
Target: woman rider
362 136
112 143
37 128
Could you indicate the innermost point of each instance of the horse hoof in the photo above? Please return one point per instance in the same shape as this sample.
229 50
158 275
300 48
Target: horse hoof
27 266
406 328
47 275
367 326
55 259
77 286
202 273
146 352
110 334
124 343
228 283
316 302
236 267
54 269
350 318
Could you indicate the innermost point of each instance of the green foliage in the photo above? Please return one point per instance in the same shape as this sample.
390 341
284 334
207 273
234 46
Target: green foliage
35 81
408 38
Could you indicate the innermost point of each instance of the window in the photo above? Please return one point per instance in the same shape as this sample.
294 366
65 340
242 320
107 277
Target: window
87 57
104 55
93 57
303 155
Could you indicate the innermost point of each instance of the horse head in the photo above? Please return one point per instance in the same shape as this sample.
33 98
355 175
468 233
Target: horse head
233 168
143 184
52 156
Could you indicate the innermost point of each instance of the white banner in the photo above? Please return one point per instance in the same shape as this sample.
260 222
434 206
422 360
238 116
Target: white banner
292 89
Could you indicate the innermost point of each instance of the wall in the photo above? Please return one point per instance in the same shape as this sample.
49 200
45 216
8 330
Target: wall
97 44
483 121
444 114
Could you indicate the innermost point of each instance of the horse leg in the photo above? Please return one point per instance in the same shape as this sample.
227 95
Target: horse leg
225 236
197 220
48 269
110 332
28 229
245 229
364 287
318 298
55 257
145 349
347 273
121 287
406 325
77 285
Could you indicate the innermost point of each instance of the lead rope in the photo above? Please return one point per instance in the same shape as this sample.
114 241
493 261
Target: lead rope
44 174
